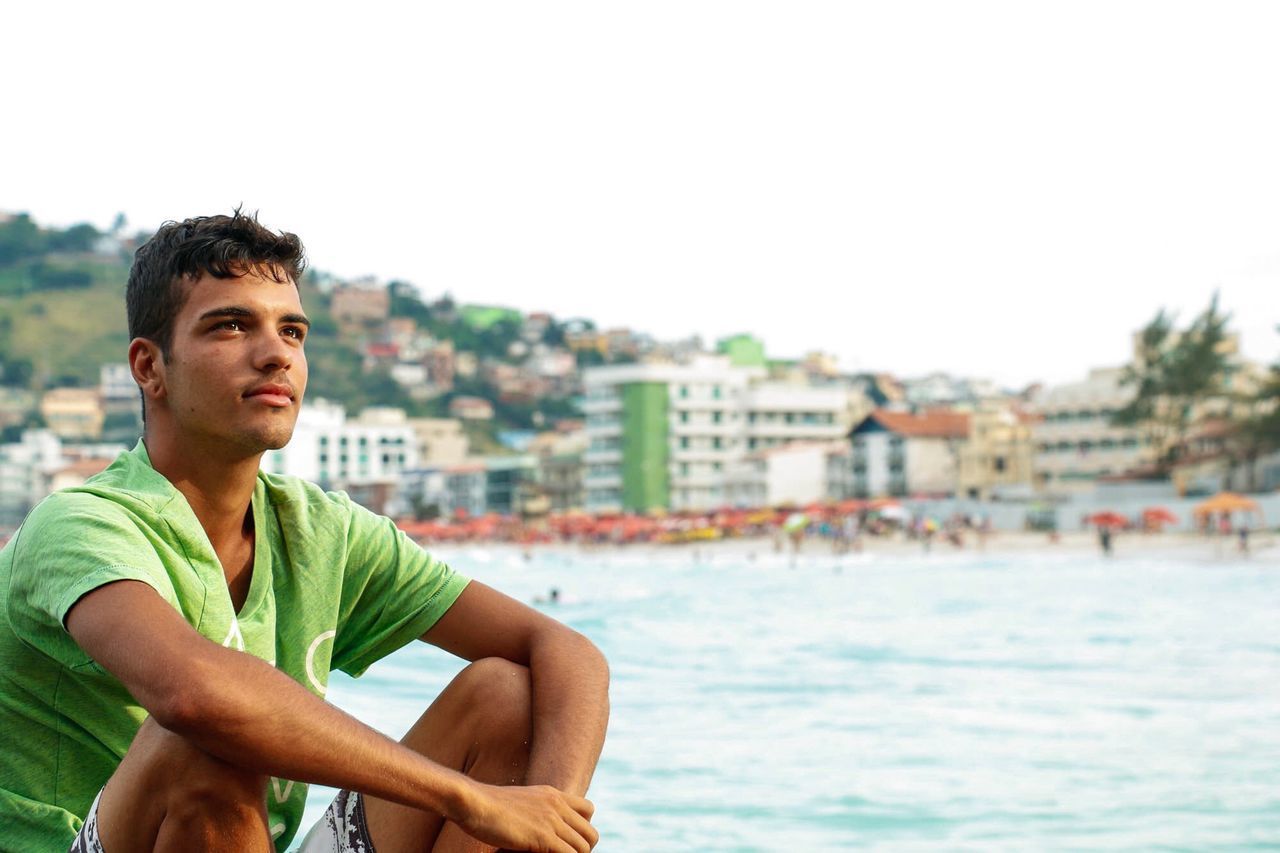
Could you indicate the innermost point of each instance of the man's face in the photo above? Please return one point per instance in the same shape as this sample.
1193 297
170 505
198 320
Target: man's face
236 371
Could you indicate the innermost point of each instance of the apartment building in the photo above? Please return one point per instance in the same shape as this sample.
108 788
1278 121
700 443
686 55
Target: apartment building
74 413
360 455
779 414
998 455
440 441
798 473
901 453
1075 442
660 434
664 434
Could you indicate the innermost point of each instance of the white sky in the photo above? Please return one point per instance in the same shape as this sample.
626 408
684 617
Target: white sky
1002 190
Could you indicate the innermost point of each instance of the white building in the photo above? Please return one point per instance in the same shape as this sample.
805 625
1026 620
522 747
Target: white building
115 381
798 473
779 414
31 468
335 452
899 454
1074 440
664 434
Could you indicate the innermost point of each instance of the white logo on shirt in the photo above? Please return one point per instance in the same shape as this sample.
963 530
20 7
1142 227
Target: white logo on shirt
311 660
234 640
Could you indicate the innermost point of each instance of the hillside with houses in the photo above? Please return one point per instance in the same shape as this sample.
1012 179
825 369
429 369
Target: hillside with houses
428 407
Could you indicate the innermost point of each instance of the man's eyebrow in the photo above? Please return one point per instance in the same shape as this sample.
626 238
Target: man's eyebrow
240 311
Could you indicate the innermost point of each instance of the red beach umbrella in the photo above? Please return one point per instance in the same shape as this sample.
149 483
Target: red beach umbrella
1158 515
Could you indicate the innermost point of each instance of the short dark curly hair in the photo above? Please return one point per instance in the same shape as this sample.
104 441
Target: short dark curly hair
181 252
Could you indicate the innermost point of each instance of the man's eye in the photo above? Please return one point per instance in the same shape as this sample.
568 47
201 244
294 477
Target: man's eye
294 332
233 325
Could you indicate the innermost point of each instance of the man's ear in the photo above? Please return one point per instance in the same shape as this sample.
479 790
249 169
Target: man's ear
146 363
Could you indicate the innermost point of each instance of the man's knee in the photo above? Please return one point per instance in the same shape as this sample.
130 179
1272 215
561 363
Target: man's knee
166 781
497 694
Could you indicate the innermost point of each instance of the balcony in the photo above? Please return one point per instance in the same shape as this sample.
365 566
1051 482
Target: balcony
611 480
822 432
600 405
603 429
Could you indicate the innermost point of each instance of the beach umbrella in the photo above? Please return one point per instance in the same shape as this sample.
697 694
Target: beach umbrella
1107 518
1226 502
1157 515
795 522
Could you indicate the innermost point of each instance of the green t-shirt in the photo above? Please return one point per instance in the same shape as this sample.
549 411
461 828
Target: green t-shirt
334 587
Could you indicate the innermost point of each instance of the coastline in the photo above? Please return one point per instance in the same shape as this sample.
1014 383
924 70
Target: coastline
1264 547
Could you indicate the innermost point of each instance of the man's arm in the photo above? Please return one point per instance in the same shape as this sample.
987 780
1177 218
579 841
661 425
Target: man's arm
569 674
242 710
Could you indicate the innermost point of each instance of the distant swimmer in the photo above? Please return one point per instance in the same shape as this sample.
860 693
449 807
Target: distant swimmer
552 597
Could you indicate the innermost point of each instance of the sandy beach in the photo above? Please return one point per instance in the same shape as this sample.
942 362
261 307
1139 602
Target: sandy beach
1264 547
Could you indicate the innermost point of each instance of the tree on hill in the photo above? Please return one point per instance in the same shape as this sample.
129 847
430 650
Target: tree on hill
1174 374
406 303
22 239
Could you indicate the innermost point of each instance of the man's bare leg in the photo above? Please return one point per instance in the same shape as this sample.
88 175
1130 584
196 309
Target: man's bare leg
480 725
168 795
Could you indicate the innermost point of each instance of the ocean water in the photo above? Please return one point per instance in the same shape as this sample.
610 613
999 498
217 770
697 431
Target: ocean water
911 702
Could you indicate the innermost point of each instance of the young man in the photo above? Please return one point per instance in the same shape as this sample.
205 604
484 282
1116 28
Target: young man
168 628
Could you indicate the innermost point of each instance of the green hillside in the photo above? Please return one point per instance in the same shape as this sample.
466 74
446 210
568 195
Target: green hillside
62 316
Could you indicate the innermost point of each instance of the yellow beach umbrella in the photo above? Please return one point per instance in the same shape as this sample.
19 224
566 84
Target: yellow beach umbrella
1226 502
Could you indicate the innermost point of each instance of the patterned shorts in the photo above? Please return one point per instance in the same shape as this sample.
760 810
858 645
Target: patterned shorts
86 840
341 830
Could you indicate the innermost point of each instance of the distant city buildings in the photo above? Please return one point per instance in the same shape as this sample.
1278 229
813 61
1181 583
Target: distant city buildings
665 425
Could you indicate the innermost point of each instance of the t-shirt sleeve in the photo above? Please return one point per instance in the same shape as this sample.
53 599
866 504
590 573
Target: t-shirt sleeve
69 545
392 592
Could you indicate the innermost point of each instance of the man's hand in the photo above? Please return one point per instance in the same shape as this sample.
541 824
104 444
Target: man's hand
537 818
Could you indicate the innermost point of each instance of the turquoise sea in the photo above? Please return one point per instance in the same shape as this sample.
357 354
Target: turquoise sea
1016 701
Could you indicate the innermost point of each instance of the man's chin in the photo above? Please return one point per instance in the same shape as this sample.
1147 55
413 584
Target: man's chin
261 442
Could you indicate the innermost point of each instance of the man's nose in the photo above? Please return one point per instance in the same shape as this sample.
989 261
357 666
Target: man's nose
274 353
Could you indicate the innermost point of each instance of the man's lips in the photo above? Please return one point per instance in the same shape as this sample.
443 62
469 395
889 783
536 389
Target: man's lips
272 395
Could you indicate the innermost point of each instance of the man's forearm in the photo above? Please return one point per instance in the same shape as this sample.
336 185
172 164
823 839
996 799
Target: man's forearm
251 715
570 711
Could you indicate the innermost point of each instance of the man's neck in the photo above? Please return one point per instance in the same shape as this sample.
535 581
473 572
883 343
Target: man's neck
218 487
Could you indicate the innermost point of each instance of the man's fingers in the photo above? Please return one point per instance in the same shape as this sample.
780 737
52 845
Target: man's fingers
583 828
581 805
574 839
